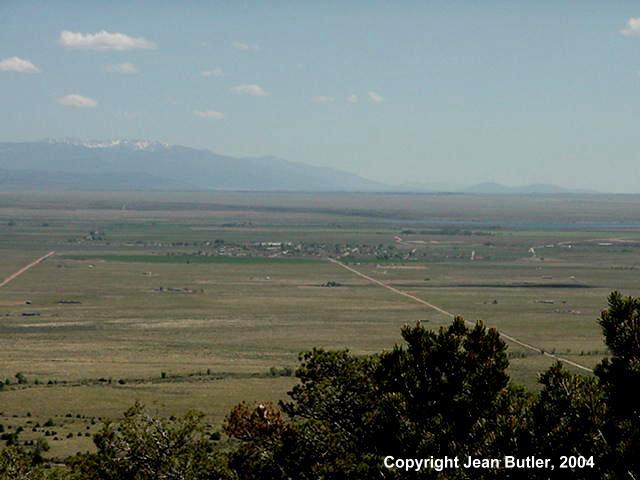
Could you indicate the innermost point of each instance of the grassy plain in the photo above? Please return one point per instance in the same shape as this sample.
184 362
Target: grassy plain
138 302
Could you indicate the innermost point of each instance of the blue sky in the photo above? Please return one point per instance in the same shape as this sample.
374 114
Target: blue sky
400 92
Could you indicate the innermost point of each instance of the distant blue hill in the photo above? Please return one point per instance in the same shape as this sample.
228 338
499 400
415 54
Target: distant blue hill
540 188
490 188
144 165
128 165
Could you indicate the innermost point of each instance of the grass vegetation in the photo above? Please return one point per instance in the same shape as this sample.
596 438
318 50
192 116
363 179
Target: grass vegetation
194 300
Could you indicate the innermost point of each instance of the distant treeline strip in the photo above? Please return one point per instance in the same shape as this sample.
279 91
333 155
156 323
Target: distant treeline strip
198 376
500 285
187 259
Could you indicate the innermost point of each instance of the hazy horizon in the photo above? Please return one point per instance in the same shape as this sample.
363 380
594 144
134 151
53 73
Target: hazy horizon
409 187
405 93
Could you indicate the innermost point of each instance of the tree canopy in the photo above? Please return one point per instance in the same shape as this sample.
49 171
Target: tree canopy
440 393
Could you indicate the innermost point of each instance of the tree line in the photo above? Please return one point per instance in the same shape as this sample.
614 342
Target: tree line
439 393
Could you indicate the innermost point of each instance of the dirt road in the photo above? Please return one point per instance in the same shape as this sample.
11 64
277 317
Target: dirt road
451 315
15 275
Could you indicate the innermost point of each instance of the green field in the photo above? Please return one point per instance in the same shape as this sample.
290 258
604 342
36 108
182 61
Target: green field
190 300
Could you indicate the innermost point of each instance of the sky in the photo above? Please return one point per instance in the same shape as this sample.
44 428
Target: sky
427 92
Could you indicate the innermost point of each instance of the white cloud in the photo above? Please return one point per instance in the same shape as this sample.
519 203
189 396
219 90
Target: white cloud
209 114
77 101
125 68
633 28
243 46
253 90
322 99
17 64
103 41
353 98
216 72
375 97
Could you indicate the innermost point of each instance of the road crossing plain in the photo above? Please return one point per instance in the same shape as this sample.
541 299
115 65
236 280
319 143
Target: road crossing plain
200 300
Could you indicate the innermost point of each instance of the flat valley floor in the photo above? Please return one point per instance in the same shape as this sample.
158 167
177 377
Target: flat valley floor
200 300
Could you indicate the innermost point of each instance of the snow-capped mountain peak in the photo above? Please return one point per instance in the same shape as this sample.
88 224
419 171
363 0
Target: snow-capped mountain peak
147 145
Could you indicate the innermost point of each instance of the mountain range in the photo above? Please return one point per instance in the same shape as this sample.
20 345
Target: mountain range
536 188
124 165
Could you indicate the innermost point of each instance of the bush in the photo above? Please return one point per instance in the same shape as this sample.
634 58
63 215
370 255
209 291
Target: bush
145 448
444 392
